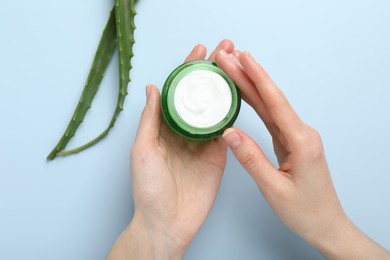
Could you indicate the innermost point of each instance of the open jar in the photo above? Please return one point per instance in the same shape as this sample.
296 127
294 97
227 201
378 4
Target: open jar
199 101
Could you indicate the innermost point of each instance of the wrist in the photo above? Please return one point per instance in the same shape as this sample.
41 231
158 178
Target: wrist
141 241
331 242
345 241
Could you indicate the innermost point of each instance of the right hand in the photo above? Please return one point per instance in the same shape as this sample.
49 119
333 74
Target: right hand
300 191
174 182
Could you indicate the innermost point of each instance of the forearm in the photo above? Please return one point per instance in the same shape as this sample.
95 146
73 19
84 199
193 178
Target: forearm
346 241
138 242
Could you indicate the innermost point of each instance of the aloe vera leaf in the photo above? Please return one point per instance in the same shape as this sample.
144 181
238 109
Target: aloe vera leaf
125 14
101 60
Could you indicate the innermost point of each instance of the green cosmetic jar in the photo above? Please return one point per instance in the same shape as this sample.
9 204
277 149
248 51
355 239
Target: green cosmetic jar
199 101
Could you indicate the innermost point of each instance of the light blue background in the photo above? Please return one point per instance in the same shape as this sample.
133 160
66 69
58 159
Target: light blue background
331 58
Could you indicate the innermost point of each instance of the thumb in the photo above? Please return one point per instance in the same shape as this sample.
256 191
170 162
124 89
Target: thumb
149 126
251 157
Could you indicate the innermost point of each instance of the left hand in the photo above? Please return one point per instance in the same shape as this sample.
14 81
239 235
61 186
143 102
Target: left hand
174 182
300 191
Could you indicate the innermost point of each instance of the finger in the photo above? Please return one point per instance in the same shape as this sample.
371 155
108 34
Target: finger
149 126
274 100
233 68
198 53
251 157
237 53
226 45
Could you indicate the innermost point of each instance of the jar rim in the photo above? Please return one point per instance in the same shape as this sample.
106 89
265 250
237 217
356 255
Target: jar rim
173 119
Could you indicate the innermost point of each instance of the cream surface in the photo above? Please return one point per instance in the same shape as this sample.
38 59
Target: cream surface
202 98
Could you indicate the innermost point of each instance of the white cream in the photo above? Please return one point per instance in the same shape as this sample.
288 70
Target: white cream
202 98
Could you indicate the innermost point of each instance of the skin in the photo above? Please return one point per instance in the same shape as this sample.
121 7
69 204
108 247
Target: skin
175 181
300 191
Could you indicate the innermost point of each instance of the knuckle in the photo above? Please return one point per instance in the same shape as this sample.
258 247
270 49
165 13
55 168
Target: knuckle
315 135
278 95
145 112
317 146
311 144
250 160
300 138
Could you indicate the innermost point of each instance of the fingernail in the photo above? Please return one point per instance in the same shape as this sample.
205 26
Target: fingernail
147 91
232 138
224 53
230 57
235 61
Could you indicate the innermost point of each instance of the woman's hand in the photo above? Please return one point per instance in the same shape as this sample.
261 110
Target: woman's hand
300 191
174 183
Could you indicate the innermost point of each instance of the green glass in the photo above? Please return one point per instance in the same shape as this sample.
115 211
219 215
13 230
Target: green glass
172 117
